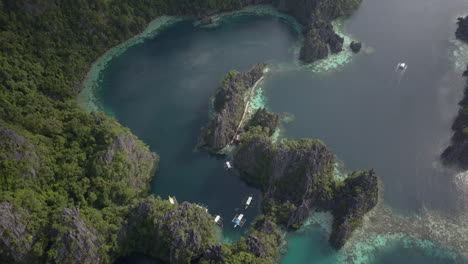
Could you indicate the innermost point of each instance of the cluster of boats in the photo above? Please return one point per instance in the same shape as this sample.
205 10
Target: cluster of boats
238 219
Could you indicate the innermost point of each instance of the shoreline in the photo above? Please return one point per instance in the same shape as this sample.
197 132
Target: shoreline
88 98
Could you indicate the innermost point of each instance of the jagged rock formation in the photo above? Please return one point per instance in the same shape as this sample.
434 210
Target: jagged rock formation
316 16
354 198
177 233
16 148
75 241
319 37
355 46
457 153
264 239
462 30
294 175
140 163
16 241
262 245
229 103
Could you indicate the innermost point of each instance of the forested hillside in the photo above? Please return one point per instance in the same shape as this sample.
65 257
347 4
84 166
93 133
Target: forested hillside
62 170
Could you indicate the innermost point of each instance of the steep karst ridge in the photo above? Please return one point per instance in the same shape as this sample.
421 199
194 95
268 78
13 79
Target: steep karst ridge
457 153
65 172
294 175
229 106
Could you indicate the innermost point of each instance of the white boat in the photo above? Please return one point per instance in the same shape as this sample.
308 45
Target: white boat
248 202
402 66
218 220
238 220
172 200
228 165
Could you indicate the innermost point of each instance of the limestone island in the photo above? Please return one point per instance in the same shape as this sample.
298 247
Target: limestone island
295 176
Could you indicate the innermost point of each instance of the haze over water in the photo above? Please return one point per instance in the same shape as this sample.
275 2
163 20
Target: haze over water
368 114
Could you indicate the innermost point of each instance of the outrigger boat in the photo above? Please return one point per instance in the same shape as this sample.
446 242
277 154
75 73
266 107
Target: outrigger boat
218 220
248 202
238 220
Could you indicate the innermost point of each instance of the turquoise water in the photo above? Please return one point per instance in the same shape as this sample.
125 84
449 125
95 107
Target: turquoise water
371 116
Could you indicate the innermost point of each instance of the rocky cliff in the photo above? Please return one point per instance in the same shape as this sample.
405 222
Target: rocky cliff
138 165
262 246
352 199
178 233
16 151
457 153
294 175
74 240
230 100
316 16
462 29
16 241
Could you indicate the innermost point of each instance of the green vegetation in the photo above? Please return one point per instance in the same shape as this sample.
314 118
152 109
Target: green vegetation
54 153
262 246
229 104
296 175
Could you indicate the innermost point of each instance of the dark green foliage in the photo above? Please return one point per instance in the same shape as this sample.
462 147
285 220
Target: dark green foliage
264 119
457 153
51 150
261 246
353 198
176 233
230 102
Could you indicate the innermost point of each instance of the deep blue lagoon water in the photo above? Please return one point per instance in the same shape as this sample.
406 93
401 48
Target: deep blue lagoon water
369 115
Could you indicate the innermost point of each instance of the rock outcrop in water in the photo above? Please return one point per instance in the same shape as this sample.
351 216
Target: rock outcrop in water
462 30
297 175
316 16
457 153
294 175
353 198
230 101
355 46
